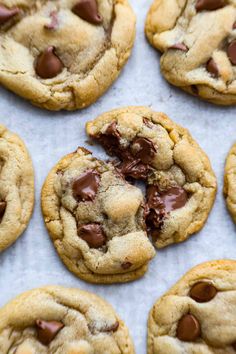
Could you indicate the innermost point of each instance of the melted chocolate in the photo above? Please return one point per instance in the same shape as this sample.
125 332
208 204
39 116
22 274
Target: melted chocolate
85 187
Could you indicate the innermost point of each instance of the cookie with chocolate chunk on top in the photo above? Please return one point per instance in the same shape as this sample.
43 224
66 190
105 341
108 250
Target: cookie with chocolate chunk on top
198 42
96 220
61 320
75 51
180 183
197 315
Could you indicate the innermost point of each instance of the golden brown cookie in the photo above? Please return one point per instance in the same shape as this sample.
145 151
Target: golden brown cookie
198 42
180 183
230 182
64 54
197 315
96 220
59 320
16 187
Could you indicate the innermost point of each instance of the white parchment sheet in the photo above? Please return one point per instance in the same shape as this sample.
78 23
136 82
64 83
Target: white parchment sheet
32 261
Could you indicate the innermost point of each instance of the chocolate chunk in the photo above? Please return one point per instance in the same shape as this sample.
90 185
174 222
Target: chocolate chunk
48 65
126 265
188 329
143 149
231 51
6 14
203 292
212 67
209 4
180 46
234 25
54 21
171 199
47 330
88 11
134 169
160 203
86 186
93 234
234 346
2 208
110 140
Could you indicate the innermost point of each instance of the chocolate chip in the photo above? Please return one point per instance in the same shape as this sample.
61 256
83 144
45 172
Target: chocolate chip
209 4
234 346
231 51
160 203
88 11
47 330
188 329
54 21
133 168
126 265
212 67
110 140
6 14
143 149
85 187
203 292
48 65
180 46
172 199
93 234
2 208
234 25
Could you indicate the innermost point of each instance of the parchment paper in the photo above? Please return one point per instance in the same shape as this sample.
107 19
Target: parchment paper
32 261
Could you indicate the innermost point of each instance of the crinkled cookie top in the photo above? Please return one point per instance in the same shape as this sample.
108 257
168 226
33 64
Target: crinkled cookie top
198 315
16 187
96 220
198 38
63 54
62 321
180 183
230 182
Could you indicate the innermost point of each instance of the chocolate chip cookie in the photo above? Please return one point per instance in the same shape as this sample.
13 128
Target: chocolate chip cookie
96 220
16 187
179 181
64 321
198 39
197 315
230 182
64 54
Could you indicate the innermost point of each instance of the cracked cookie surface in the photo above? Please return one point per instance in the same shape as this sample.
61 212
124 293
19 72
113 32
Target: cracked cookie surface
198 39
16 187
96 220
72 53
230 182
60 320
197 315
180 183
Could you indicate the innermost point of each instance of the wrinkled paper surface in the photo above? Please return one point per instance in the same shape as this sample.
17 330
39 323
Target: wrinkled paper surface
33 262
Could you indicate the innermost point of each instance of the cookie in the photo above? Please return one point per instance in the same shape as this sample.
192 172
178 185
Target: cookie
64 54
198 42
197 315
230 182
96 220
16 187
180 183
59 320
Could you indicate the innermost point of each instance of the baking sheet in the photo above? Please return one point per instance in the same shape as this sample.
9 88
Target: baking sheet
32 261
